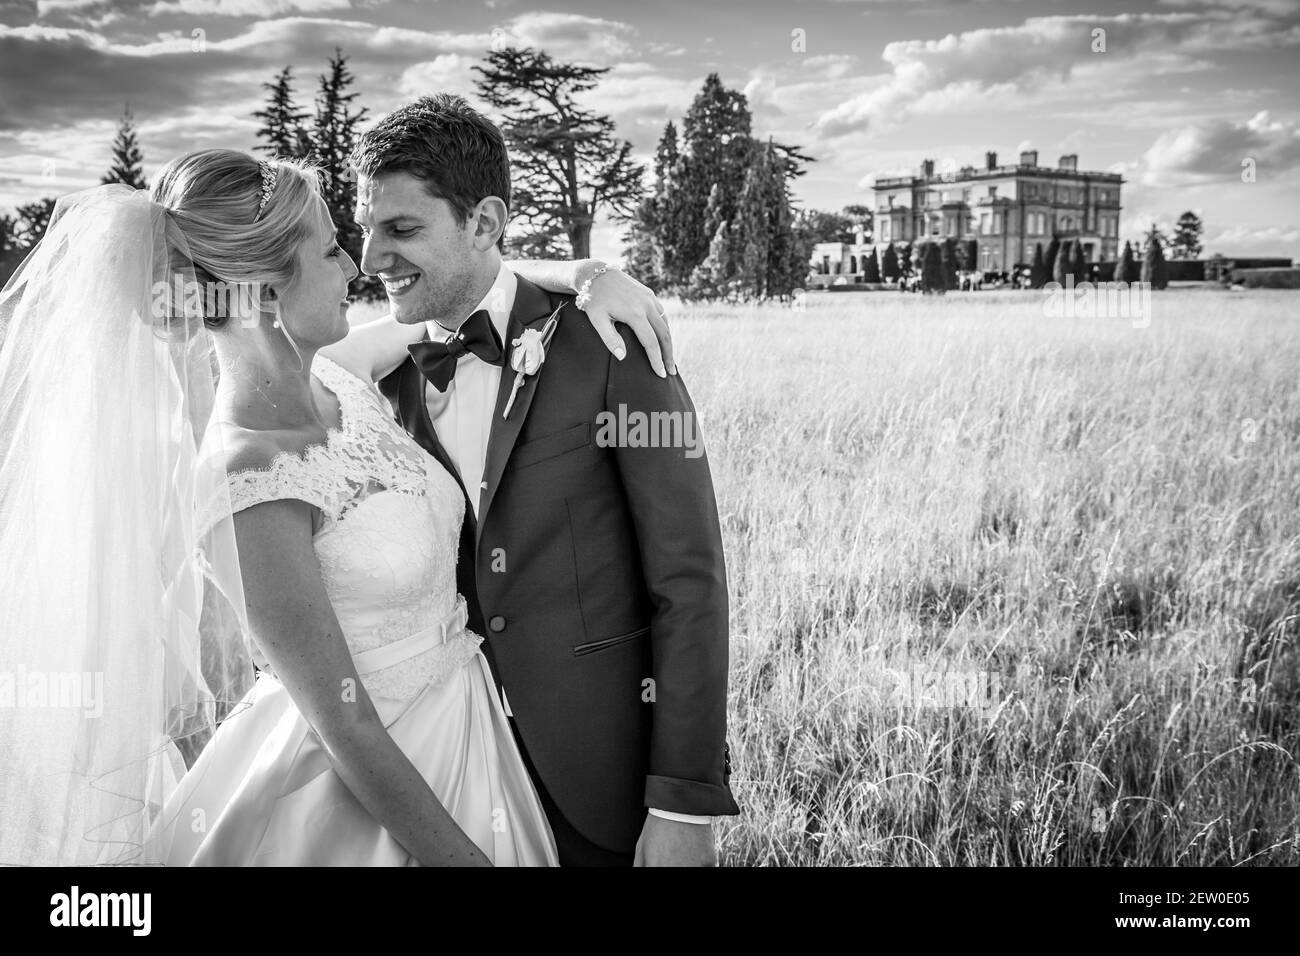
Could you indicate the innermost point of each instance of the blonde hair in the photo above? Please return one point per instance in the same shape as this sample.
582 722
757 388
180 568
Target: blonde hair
213 198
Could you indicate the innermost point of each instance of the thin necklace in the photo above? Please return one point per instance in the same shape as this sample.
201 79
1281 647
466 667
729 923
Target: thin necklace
234 370
258 389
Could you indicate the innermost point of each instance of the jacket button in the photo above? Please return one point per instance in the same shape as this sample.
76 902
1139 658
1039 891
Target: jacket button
497 624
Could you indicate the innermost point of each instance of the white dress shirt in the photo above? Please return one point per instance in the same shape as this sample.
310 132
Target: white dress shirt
462 417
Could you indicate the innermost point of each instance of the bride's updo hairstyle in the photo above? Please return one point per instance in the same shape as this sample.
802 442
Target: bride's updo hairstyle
214 197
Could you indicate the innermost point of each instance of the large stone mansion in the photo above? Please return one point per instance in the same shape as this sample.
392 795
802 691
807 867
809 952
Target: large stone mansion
1006 209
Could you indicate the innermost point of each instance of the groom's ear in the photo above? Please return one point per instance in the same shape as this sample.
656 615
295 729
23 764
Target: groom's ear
489 220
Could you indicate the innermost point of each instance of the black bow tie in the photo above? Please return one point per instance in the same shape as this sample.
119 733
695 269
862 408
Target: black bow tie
437 360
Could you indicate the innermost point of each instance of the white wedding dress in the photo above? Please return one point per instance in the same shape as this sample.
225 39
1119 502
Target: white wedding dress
262 791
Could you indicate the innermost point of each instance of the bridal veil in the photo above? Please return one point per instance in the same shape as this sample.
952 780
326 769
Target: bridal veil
123 636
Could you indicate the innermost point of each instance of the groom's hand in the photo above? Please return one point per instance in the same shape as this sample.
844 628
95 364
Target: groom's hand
671 843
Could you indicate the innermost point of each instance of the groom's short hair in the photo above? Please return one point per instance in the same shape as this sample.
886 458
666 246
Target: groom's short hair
456 151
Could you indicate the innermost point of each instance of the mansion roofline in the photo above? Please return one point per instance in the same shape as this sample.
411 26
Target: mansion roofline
1068 168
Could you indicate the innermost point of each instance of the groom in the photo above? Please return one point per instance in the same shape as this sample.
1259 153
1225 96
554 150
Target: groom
592 564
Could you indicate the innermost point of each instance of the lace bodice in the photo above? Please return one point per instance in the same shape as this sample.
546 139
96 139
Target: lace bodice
388 541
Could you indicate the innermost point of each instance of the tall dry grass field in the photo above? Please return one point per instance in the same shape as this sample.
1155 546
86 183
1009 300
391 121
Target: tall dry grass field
1008 590
1099 521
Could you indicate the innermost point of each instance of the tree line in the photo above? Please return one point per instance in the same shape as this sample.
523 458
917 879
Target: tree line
717 220
936 265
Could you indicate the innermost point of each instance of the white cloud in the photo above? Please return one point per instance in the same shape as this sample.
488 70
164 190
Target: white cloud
641 100
361 41
1214 150
245 8
449 72
1279 7
1013 65
571 37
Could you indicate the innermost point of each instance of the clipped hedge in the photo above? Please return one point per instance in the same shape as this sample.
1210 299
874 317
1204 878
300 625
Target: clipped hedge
1266 278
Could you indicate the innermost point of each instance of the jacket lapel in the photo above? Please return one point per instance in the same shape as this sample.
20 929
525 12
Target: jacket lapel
405 390
532 309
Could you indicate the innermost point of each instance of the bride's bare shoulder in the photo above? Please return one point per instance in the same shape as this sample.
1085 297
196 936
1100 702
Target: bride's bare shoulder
252 453
250 449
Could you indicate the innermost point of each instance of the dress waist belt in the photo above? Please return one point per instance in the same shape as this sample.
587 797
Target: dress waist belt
450 627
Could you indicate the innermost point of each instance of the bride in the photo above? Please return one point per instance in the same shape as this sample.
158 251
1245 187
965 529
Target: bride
164 530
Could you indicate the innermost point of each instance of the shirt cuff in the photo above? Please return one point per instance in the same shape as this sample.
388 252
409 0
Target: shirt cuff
680 817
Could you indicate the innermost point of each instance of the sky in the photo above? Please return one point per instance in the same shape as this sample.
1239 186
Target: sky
1176 95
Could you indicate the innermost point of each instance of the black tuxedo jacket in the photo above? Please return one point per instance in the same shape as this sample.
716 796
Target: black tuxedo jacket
596 576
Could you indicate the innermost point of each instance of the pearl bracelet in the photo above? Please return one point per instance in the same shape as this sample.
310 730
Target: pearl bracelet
583 298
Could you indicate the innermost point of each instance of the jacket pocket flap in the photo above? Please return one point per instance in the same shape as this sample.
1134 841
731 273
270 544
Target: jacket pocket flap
592 646
549 446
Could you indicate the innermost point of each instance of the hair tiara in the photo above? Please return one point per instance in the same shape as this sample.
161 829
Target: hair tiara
269 175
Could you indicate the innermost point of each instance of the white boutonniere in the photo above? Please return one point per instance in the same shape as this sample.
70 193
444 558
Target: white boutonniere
527 356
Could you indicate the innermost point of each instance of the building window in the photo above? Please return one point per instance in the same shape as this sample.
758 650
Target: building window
993 192
997 224
884 230
826 265
853 264
984 224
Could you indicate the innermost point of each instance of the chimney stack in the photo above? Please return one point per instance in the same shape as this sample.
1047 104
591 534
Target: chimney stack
1029 157
990 160
927 168
1070 161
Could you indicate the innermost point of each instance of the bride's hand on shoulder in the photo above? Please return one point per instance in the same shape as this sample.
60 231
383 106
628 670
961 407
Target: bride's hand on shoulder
608 295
